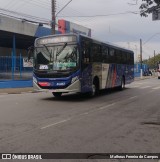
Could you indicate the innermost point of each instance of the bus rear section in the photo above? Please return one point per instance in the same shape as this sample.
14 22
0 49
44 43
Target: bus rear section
158 71
105 66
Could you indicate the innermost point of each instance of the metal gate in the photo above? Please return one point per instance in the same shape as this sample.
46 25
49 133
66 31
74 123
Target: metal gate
15 68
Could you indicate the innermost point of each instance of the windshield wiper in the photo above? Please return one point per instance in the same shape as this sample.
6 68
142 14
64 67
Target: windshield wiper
59 52
71 55
50 53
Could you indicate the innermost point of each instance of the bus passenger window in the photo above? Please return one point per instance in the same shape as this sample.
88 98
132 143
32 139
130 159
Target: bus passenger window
96 53
111 55
132 58
105 54
118 57
86 52
124 57
129 60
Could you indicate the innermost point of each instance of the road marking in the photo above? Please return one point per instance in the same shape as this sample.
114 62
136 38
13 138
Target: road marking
133 97
141 83
145 87
156 88
57 123
136 86
86 113
104 107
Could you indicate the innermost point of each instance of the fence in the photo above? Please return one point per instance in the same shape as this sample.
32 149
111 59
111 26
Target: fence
15 68
137 69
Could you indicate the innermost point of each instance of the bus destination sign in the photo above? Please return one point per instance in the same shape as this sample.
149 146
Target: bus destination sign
53 40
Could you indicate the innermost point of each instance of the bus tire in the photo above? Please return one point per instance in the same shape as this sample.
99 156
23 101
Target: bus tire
93 93
122 86
57 94
95 87
159 77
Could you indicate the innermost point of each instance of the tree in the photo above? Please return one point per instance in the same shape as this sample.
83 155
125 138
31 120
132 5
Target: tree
149 6
152 62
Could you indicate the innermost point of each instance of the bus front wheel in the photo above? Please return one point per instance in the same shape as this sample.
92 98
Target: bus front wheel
57 94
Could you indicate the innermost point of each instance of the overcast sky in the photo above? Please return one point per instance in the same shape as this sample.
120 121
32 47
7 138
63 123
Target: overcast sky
118 27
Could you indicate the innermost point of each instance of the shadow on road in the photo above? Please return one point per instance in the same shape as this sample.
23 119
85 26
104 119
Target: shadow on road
77 97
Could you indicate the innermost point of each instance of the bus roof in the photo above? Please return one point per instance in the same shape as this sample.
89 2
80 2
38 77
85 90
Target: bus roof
93 39
108 43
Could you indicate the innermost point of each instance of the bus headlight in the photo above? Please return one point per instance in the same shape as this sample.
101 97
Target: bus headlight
74 79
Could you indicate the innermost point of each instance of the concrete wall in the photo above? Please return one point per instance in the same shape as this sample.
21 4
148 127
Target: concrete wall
17 26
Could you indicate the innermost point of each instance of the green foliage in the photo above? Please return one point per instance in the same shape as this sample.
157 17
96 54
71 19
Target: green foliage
148 6
152 62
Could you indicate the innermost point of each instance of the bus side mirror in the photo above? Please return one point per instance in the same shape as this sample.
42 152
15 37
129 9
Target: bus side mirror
30 52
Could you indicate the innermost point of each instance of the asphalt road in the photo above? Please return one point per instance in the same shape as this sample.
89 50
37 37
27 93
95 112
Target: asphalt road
115 122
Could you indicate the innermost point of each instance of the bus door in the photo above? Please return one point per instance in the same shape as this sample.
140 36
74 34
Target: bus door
86 66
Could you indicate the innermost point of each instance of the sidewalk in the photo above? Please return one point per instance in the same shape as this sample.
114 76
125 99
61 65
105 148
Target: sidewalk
16 90
144 77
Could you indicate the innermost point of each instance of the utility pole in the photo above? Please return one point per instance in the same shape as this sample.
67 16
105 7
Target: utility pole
141 57
53 23
154 59
136 54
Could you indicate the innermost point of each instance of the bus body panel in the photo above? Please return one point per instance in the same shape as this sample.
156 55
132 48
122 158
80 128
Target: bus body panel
86 79
110 75
105 72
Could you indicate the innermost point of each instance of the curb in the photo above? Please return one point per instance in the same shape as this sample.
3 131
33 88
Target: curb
18 92
143 78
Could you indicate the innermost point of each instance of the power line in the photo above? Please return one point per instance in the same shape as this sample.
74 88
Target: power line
114 14
21 15
150 38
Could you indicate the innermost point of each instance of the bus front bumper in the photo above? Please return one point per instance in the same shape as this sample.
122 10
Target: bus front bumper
74 87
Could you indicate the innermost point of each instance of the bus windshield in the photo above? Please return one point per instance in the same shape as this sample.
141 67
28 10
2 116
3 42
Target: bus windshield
56 58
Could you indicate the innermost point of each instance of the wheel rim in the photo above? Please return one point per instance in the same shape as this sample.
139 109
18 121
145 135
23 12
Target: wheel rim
123 85
93 90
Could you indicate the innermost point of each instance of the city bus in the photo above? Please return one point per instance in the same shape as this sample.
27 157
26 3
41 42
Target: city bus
77 63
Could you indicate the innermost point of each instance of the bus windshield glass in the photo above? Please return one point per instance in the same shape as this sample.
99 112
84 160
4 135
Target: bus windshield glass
56 58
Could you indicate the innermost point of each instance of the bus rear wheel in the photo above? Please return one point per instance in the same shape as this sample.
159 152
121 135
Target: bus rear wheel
95 88
122 86
57 94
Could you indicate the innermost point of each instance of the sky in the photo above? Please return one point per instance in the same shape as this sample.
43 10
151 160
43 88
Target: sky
119 25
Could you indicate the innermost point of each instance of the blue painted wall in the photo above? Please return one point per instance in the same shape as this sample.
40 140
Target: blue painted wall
16 84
